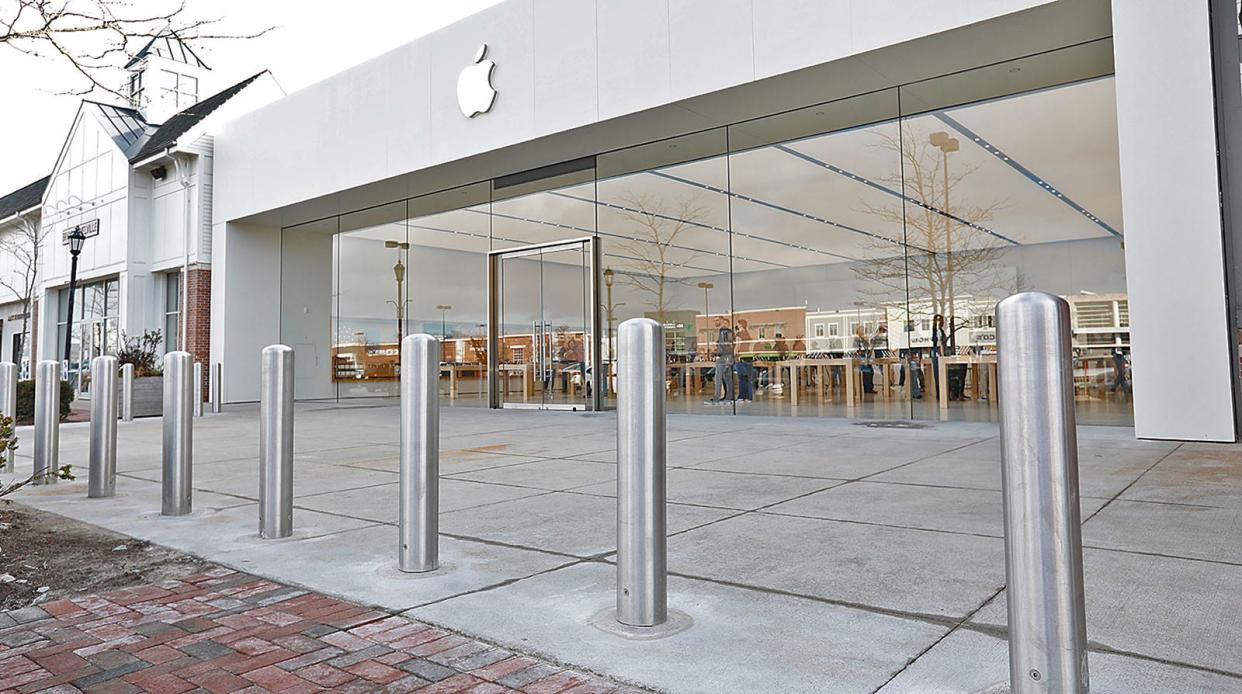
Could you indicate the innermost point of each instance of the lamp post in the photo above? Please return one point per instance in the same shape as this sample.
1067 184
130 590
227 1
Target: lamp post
398 271
76 238
444 309
946 144
609 308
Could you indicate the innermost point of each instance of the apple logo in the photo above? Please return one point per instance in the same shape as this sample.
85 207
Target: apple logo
475 94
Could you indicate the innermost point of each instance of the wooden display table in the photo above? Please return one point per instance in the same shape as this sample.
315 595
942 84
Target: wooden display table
853 385
973 365
525 370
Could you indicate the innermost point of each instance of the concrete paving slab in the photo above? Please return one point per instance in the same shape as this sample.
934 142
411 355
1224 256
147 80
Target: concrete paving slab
741 640
1209 475
380 503
1181 610
968 662
241 478
1101 473
572 523
553 475
363 565
725 489
919 571
971 511
1172 529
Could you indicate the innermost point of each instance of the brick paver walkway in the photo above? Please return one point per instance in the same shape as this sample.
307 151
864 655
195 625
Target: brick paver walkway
223 631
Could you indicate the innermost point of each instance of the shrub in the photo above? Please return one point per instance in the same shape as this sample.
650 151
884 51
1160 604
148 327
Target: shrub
26 397
141 352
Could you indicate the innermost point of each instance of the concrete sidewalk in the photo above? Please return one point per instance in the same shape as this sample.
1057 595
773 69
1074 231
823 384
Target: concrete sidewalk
814 555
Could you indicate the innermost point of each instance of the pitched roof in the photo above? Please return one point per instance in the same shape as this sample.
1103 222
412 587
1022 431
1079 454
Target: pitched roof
124 125
23 198
168 45
166 135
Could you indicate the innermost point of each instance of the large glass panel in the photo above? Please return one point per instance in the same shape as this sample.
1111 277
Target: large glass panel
1010 194
449 236
664 234
545 323
372 258
819 259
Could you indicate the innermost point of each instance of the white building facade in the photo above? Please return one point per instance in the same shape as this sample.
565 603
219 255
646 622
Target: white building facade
137 179
747 154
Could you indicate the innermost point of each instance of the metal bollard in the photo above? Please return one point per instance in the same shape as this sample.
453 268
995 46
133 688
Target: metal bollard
47 422
216 390
276 442
178 433
127 392
1039 479
642 553
420 454
101 481
198 389
8 408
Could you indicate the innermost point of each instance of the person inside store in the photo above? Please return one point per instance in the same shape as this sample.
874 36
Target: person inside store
866 354
746 377
724 361
939 342
1120 378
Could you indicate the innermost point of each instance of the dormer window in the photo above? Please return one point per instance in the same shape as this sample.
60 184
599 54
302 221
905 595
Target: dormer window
181 90
135 89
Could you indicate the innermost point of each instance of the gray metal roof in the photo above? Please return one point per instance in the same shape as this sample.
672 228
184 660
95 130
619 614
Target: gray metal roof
24 198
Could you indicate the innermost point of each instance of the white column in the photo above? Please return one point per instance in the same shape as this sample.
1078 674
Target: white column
1174 240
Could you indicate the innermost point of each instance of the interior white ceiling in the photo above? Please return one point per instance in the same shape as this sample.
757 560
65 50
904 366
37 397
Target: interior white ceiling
827 199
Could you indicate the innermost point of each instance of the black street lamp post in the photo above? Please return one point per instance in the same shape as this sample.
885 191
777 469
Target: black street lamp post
76 238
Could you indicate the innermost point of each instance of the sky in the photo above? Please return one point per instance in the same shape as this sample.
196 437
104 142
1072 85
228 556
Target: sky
312 39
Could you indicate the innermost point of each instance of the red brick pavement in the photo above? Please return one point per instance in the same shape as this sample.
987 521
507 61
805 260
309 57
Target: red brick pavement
223 631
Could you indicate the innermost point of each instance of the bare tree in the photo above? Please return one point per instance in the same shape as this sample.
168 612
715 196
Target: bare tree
652 253
23 245
946 251
94 37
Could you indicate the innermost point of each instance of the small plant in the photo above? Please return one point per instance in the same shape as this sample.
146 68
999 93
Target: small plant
142 352
26 398
8 444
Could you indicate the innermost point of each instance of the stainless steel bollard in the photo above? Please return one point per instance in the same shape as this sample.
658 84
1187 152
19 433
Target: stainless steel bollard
8 408
127 392
198 389
216 391
1039 479
101 481
420 454
642 554
47 422
276 442
178 433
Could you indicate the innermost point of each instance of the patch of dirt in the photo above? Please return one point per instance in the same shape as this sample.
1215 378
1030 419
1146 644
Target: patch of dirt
46 557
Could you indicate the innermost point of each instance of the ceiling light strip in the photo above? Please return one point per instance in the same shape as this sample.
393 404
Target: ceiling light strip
897 194
1030 175
786 210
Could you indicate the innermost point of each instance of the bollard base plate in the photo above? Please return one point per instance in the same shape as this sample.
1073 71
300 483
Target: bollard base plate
606 621
393 571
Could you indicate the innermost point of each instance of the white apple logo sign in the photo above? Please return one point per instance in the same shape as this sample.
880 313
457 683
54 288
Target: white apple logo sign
475 94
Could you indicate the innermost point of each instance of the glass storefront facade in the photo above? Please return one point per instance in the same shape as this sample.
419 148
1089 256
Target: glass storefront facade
96 326
843 259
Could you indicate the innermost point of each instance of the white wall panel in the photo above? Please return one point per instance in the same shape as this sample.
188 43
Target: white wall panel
633 56
1174 245
711 45
565 65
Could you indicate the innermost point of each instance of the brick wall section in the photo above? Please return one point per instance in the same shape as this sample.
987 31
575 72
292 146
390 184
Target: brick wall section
197 304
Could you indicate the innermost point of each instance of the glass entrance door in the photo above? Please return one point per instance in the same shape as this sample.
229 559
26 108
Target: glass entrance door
543 326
